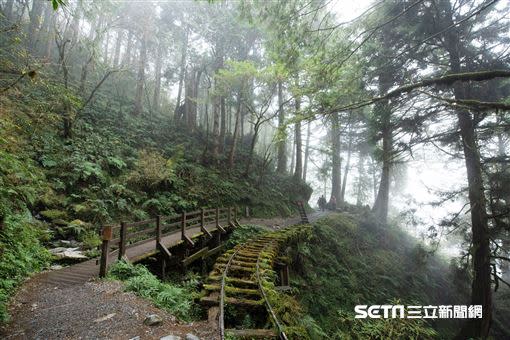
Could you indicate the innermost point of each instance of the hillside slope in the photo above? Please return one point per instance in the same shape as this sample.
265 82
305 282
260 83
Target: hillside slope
351 260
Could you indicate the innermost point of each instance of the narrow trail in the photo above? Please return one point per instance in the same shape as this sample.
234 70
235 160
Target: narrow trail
66 304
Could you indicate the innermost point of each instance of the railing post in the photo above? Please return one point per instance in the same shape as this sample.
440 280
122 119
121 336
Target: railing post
122 241
229 219
217 217
202 218
158 229
106 235
235 213
183 226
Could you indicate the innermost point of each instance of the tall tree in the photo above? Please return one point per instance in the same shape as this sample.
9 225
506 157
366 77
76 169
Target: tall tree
282 145
298 172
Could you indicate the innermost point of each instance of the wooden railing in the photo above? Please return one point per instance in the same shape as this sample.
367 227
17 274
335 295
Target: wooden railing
130 234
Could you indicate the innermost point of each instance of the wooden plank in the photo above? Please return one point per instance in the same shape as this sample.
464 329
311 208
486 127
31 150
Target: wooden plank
221 229
139 223
199 254
188 241
141 232
252 333
171 217
192 213
171 225
205 231
215 250
164 250
123 240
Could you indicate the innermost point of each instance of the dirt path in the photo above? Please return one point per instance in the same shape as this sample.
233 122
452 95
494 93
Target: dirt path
98 309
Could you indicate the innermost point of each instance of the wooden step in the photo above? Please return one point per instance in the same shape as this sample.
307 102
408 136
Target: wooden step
233 268
215 301
234 281
232 290
251 333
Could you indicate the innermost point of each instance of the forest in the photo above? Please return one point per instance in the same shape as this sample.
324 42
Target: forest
389 121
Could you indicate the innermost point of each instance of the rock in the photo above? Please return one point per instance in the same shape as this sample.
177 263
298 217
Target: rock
190 336
57 250
135 338
68 243
68 253
106 317
56 267
153 320
170 337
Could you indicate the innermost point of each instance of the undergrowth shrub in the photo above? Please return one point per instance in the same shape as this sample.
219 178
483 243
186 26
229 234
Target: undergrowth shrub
176 299
21 254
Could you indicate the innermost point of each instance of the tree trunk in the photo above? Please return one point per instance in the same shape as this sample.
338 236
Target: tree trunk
157 79
118 44
382 200
84 74
481 293
49 23
129 47
216 128
223 125
348 163
336 172
282 147
252 148
33 26
307 150
182 72
298 172
383 112
192 81
361 176
106 52
137 109
235 137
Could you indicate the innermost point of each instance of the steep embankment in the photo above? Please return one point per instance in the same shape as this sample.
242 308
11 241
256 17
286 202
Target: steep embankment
351 260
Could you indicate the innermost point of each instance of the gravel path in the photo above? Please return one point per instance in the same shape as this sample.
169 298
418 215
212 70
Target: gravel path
94 310
99 309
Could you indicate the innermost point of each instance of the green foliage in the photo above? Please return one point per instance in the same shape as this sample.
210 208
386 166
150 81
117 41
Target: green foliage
177 300
152 171
242 234
21 254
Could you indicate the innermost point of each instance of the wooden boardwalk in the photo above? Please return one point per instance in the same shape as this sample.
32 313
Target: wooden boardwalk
84 271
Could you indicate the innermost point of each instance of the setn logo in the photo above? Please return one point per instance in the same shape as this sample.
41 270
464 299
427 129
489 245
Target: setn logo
374 312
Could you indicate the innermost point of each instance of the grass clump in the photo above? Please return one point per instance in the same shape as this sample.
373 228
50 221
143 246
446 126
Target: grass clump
176 299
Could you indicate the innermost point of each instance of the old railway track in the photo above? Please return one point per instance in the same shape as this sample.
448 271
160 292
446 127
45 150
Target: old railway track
237 293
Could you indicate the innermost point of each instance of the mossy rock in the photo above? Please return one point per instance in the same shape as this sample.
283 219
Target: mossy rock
54 214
